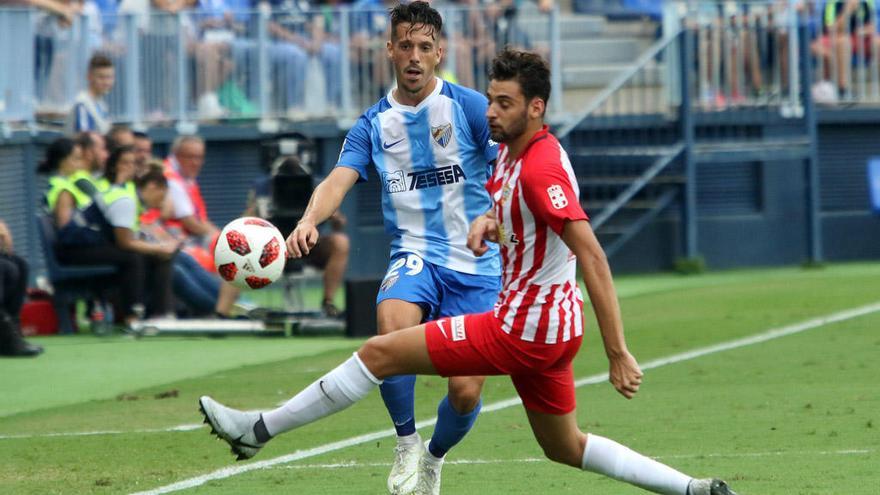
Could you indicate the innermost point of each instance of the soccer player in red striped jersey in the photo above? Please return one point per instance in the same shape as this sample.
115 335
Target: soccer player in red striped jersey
536 326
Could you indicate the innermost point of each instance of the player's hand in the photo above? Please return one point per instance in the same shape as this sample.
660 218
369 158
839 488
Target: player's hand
483 228
167 249
302 239
624 373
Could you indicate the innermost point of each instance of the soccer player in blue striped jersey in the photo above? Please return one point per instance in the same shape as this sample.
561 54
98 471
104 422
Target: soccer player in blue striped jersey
429 142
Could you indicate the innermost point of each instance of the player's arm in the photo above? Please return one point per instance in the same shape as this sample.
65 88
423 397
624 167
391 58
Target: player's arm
624 372
197 227
125 239
64 207
325 200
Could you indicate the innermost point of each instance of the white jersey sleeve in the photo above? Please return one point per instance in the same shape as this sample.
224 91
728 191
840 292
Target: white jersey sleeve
183 206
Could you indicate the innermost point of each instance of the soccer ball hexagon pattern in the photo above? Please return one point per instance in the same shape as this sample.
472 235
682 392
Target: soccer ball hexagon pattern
250 253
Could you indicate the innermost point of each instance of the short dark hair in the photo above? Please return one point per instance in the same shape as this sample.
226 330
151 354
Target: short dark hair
152 176
111 140
111 169
99 61
141 135
416 13
56 152
529 69
84 140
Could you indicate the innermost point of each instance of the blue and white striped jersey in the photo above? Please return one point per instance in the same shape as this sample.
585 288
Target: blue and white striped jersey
434 160
88 114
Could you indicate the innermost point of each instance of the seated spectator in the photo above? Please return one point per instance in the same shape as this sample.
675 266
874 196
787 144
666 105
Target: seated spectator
848 31
94 154
119 135
331 251
64 198
202 293
143 152
83 239
287 56
220 23
13 285
89 111
182 168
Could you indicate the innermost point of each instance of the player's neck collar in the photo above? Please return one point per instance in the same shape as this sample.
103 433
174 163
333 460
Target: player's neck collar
400 106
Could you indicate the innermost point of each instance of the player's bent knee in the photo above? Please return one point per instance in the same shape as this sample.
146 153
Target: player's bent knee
377 357
464 393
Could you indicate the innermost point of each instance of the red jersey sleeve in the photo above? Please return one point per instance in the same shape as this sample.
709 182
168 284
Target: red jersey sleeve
549 193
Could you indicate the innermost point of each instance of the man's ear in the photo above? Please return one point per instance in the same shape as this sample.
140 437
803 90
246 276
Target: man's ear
537 107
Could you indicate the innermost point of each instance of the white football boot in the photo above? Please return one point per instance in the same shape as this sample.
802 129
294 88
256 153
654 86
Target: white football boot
709 486
233 426
405 470
429 474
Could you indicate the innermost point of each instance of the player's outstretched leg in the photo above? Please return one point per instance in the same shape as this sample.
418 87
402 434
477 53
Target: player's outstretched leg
247 432
563 442
404 351
456 415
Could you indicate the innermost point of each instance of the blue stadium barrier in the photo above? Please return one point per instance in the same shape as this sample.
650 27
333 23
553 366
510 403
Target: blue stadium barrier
874 182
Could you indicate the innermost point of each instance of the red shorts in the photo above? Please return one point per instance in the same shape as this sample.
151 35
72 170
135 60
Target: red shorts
475 345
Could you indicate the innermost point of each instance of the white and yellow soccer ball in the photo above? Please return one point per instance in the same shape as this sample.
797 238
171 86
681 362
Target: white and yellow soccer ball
250 253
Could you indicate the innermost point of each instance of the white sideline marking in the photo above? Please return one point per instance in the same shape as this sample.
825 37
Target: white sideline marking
530 460
104 432
599 378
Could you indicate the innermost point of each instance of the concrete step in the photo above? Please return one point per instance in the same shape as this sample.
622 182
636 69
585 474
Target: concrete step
599 51
571 26
600 75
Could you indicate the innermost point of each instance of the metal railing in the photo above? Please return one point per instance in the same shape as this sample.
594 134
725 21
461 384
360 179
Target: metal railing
646 87
196 65
746 55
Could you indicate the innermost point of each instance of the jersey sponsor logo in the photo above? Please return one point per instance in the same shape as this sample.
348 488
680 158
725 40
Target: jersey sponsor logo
442 176
458 330
557 196
442 134
386 145
394 181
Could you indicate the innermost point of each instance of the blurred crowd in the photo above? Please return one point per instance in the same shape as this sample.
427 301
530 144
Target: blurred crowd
744 49
242 57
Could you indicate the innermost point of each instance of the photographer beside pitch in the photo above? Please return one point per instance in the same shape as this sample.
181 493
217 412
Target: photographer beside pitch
535 330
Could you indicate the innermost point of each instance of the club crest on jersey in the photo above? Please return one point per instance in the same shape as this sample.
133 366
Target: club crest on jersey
394 181
557 196
505 192
442 134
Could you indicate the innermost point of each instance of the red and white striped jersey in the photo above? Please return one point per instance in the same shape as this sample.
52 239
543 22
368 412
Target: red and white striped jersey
540 300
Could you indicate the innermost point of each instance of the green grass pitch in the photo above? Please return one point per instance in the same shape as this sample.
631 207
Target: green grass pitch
798 414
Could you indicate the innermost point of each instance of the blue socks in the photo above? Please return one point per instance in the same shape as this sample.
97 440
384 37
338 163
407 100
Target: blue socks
398 392
451 427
